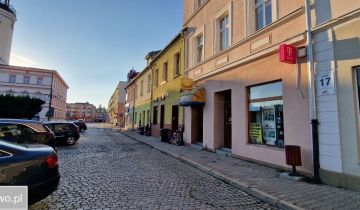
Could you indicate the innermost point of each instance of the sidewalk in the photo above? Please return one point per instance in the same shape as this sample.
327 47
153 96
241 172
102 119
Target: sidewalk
257 180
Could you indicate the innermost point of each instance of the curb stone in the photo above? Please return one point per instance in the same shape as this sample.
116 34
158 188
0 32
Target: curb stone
274 201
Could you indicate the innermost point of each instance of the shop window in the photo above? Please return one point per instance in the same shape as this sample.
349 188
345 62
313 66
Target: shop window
266 121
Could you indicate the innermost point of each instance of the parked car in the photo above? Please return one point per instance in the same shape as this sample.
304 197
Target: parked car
26 131
35 166
65 132
81 125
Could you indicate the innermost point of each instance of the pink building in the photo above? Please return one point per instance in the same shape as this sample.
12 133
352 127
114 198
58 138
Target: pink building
254 104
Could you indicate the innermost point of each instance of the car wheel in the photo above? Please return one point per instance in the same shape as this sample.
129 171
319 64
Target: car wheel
70 140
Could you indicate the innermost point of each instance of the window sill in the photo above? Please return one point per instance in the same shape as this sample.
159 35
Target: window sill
176 76
163 82
267 146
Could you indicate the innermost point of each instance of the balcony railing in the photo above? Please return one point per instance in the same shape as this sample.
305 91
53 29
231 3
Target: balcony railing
6 6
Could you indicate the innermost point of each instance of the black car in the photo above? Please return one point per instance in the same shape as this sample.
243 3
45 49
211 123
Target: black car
81 125
26 131
65 132
35 166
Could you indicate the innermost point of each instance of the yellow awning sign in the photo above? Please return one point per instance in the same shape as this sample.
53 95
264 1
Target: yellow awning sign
194 97
187 84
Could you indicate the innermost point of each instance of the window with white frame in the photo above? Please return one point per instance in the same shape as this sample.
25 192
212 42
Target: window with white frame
199 48
263 13
12 78
40 80
26 79
199 3
260 13
224 32
223 27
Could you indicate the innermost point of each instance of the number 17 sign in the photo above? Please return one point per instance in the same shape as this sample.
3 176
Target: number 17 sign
325 83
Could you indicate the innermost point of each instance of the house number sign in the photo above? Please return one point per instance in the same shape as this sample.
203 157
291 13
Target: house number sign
325 83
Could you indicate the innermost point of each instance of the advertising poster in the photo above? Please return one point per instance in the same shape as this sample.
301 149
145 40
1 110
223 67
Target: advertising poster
256 133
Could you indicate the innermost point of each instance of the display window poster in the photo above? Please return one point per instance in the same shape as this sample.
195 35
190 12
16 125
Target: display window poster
256 133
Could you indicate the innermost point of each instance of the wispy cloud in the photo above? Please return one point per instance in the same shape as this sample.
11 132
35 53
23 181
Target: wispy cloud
19 60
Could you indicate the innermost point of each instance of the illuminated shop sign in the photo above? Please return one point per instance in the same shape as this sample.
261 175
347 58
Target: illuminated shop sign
287 54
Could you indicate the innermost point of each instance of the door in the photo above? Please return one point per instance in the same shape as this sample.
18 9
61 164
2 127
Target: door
227 119
162 116
175 118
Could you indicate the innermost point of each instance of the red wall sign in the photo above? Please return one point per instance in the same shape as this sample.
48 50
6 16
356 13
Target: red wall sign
287 53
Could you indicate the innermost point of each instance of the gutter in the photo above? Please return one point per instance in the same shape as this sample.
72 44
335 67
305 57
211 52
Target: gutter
312 94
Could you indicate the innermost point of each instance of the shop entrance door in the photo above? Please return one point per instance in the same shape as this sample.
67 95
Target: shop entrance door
227 119
162 116
197 124
175 118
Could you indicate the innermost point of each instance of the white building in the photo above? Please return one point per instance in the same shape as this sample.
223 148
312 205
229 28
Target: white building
37 83
7 21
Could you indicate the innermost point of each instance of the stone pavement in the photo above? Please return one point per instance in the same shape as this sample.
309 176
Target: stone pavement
107 170
258 180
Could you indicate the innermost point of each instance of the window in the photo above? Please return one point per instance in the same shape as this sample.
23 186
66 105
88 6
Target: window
222 28
156 78
26 80
199 3
165 71
12 78
149 83
266 121
176 64
155 115
142 88
224 32
263 13
135 119
199 48
40 81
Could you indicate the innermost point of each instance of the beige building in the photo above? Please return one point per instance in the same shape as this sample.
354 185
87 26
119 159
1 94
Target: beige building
44 84
116 106
85 111
336 32
7 21
254 104
130 90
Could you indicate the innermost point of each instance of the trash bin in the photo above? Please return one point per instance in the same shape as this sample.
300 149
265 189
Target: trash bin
141 130
164 134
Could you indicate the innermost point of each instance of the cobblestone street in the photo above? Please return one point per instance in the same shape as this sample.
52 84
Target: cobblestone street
106 170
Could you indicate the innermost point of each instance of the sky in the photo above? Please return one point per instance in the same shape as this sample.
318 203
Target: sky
92 43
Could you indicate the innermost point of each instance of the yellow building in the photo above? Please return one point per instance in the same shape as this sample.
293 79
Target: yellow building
167 70
141 86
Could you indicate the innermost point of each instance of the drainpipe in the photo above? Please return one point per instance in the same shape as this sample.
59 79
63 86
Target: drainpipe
133 121
312 94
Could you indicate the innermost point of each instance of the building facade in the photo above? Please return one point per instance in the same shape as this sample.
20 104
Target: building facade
44 84
254 103
7 22
85 111
336 32
116 105
168 70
